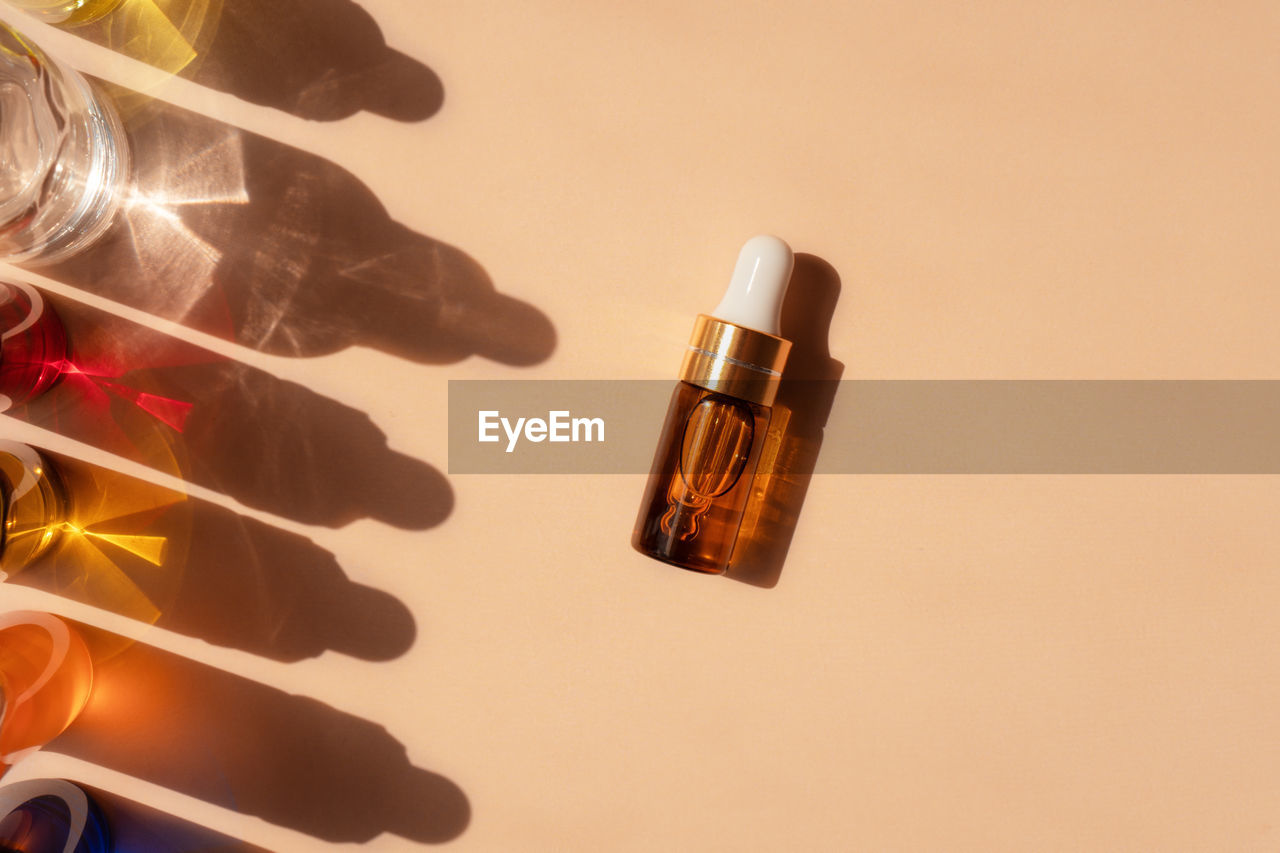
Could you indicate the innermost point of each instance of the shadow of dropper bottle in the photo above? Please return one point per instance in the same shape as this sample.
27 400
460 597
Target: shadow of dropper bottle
806 395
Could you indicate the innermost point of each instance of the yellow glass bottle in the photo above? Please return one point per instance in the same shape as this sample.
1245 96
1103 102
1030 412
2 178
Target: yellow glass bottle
67 12
33 506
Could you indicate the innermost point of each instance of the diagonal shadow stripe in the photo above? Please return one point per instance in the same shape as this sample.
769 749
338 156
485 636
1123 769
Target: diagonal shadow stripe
236 743
271 444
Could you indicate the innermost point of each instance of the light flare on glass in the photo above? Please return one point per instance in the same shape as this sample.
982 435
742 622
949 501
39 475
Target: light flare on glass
109 538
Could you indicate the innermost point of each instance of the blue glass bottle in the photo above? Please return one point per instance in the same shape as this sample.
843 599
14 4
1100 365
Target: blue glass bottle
50 816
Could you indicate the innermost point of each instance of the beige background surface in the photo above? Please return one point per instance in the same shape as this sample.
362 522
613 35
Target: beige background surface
1007 190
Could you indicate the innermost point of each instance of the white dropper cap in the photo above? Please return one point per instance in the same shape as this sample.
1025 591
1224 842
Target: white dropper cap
754 296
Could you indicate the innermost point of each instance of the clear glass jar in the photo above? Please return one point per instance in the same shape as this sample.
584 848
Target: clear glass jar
63 156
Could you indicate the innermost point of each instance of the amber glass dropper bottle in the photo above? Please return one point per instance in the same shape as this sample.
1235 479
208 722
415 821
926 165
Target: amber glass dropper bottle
718 417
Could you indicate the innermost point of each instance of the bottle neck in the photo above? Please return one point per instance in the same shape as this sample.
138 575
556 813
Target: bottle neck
734 360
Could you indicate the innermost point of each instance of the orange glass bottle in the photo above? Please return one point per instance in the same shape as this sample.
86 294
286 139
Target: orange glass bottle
45 678
718 418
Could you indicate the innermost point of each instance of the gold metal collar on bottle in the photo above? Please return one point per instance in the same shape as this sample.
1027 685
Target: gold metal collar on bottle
734 360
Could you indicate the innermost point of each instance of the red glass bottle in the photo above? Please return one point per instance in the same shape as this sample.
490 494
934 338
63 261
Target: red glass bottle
33 345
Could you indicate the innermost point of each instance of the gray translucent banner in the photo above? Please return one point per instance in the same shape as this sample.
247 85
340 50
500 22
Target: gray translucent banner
888 426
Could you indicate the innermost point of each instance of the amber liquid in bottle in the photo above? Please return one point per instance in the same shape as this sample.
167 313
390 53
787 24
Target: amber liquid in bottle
718 420
45 677
701 480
